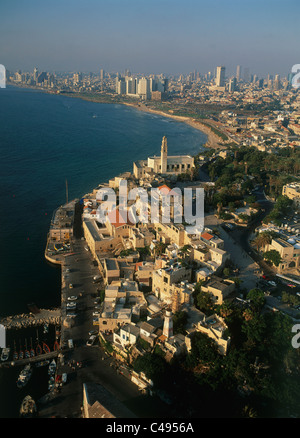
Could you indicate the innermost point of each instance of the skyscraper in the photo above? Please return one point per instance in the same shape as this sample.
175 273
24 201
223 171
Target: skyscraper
35 74
246 75
220 77
238 73
232 85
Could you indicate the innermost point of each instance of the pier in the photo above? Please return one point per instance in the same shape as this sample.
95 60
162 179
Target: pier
31 360
30 319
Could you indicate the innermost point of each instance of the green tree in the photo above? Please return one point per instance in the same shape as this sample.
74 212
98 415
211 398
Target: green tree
153 365
257 299
205 302
272 256
179 322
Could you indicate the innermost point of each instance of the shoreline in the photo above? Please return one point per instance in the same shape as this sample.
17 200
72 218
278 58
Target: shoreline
213 140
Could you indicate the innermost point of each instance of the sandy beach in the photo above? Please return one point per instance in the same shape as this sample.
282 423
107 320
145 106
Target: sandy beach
213 141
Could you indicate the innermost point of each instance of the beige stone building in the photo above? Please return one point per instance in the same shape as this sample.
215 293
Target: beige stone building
292 191
123 301
163 164
219 288
289 252
164 279
215 328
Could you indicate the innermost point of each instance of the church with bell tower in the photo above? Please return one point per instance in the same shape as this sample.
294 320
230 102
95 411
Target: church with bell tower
163 164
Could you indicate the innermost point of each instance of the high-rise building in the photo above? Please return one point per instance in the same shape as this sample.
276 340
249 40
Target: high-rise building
220 77
102 74
143 88
232 85
77 78
246 75
131 85
120 86
238 73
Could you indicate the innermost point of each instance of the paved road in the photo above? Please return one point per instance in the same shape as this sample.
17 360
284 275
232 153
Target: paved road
236 242
96 367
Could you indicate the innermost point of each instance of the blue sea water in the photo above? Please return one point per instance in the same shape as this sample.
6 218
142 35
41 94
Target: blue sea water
44 140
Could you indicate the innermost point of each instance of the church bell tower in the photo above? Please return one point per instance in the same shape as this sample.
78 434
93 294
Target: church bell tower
164 155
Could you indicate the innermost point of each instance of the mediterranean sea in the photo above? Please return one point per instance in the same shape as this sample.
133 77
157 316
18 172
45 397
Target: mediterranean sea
45 140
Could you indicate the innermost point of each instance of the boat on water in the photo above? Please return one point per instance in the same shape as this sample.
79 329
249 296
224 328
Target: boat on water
56 346
32 352
46 349
27 353
15 353
28 407
5 354
38 350
52 367
51 383
24 376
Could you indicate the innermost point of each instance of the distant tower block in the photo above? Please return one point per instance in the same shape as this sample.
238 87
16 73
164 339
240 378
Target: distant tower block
168 325
164 155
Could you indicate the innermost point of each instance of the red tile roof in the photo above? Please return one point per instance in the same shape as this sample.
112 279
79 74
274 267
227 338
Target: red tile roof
118 219
206 236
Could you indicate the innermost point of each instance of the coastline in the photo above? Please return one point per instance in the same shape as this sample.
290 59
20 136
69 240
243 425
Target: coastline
213 140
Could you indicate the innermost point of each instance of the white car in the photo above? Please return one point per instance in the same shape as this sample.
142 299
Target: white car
90 342
71 305
96 313
72 298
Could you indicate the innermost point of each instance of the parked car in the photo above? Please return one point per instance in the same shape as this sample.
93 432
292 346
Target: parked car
72 298
90 342
93 332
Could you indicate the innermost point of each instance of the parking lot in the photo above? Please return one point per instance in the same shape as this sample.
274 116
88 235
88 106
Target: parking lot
81 362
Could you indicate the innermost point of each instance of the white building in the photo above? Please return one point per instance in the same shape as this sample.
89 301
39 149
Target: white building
163 164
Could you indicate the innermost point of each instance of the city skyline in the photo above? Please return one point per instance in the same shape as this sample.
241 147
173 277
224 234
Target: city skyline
149 37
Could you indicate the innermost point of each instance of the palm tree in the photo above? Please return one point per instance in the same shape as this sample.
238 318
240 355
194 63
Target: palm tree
262 240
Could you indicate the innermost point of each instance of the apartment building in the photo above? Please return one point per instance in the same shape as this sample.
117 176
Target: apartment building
292 191
218 288
164 279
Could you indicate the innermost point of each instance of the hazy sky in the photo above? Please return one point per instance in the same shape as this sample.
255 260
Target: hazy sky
166 36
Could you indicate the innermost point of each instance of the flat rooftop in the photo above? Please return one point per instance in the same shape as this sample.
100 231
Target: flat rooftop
93 230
